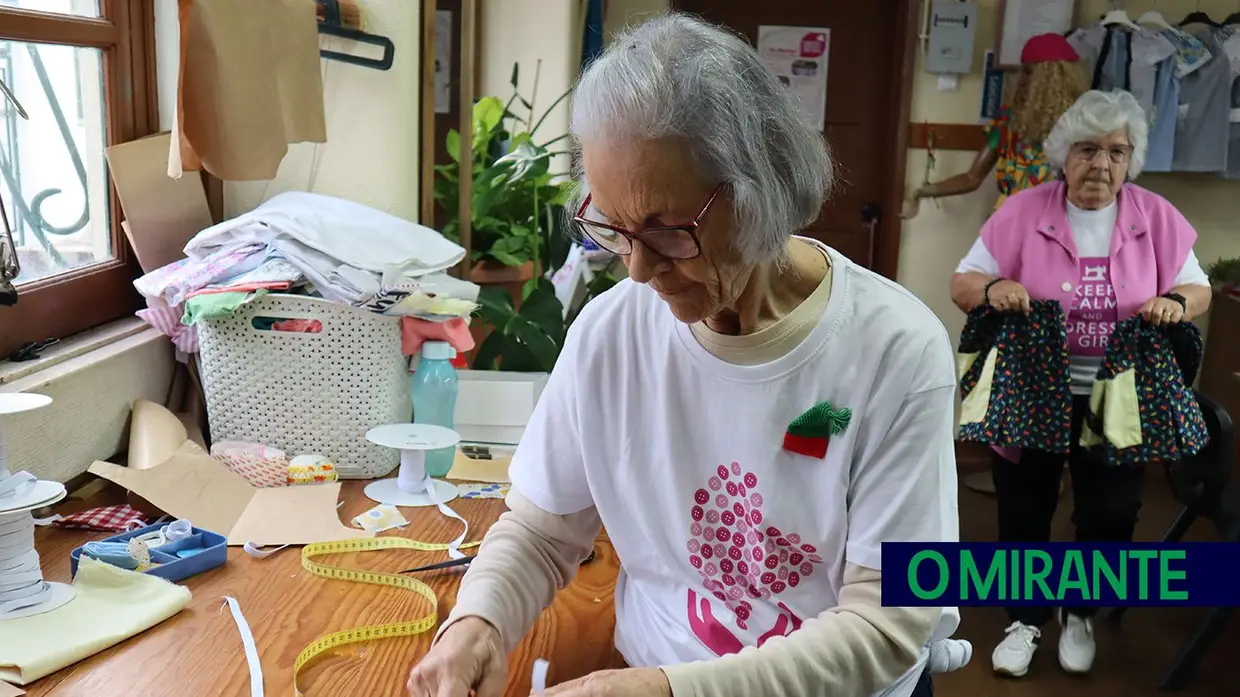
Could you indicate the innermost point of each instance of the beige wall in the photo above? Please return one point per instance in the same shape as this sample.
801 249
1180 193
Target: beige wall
371 153
557 61
934 241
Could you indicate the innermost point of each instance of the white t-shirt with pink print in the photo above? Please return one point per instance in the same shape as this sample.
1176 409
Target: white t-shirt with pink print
726 539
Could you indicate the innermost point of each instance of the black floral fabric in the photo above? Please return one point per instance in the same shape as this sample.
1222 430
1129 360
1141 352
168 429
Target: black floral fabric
1030 397
1143 408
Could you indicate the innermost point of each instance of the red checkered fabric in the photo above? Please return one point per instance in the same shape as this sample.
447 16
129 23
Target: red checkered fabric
105 519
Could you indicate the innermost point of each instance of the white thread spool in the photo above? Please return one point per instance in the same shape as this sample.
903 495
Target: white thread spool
21 578
412 486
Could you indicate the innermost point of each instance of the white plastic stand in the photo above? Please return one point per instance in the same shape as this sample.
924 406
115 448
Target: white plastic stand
15 510
412 486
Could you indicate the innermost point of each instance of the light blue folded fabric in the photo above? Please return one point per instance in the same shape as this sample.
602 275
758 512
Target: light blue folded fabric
114 553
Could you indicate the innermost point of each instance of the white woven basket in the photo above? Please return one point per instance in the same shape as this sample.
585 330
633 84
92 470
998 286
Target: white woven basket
307 392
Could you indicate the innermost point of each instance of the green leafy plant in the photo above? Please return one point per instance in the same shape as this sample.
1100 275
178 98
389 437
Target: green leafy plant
516 200
1225 274
530 339
516 217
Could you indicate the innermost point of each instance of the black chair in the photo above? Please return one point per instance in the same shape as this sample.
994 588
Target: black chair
1202 484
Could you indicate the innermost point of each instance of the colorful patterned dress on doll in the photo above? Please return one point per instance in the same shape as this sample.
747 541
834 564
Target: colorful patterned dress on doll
1021 165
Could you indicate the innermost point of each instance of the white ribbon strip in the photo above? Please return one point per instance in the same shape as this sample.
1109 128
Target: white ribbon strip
251 649
260 551
412 475
16 485
454 547
539 680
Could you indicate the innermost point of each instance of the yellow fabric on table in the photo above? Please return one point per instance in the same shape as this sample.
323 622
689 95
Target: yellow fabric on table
111 605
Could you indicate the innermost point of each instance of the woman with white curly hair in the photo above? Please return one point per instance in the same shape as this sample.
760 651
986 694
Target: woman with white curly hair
1105 249
750 414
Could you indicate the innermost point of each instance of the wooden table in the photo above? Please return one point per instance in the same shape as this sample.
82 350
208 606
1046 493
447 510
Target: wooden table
198 652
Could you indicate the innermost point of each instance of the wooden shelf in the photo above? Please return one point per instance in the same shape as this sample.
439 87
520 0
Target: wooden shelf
947 136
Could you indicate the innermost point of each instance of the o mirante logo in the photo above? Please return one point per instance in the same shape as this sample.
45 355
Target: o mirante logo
1107 575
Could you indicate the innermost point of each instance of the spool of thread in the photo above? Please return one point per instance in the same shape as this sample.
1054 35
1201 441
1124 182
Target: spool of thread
413 486
21 577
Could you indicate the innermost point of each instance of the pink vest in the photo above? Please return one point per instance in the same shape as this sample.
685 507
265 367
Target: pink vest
1030 238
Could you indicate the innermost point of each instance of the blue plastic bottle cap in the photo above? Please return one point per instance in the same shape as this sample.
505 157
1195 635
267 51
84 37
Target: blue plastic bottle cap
437 350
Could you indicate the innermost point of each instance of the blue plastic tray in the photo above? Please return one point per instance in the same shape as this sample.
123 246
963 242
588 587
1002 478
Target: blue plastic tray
171 567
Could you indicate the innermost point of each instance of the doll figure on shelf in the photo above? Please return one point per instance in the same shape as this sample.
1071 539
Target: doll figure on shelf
1051 79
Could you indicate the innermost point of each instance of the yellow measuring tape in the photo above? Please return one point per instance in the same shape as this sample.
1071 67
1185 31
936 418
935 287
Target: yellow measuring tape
379 631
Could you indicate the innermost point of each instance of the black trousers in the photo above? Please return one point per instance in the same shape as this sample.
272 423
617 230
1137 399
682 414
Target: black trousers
925 685
1106 501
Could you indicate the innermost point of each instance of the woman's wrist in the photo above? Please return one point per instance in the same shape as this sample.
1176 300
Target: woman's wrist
1179 299
986 288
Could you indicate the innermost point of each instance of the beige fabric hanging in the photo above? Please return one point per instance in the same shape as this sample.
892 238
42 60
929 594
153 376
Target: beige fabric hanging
249 86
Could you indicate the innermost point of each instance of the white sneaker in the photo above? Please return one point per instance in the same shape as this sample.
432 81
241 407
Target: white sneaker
949 655
1013 654
1076 643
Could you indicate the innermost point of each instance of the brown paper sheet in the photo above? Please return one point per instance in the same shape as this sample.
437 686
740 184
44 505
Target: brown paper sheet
249 86
191 484
468 469
155 434
161 213
7 690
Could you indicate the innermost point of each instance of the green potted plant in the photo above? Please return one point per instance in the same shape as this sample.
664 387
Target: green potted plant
516 202
529 337
1225 275
518 233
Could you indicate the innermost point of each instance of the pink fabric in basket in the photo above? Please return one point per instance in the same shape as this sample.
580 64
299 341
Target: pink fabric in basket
261 467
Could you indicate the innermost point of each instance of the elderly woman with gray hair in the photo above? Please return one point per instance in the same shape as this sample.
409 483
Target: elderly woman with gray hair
750 414
1105 249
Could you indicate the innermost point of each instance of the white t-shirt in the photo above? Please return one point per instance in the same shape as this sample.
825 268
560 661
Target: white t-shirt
1093 315
725 538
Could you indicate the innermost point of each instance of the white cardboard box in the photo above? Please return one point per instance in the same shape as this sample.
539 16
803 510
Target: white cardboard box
493 406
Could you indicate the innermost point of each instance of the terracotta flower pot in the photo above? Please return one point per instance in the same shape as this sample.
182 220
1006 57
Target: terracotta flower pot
493 273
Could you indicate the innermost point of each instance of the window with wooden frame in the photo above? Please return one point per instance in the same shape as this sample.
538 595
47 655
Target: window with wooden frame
84 73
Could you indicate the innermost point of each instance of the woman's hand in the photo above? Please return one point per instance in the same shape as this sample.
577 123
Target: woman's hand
1162 312
628 682
468 659
1009 296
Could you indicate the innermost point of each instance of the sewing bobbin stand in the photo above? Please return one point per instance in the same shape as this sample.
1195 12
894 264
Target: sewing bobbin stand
23 592
412 486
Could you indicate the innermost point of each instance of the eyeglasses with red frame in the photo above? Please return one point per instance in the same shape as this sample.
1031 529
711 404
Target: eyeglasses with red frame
672 241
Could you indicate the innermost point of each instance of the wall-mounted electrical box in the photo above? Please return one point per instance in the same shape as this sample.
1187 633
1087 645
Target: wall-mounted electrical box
951 30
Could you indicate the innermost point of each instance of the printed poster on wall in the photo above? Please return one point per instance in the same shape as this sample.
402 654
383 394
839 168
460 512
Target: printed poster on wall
798 57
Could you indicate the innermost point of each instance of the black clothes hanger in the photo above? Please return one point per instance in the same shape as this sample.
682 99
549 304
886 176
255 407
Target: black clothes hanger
1199 18
332 26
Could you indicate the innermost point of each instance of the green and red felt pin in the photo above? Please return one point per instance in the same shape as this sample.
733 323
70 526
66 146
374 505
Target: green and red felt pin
810 433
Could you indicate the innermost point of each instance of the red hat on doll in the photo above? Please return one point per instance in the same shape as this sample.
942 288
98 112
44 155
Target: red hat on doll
1046 48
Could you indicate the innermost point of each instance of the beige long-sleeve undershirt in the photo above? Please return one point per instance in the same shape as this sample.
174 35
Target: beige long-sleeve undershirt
853 649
